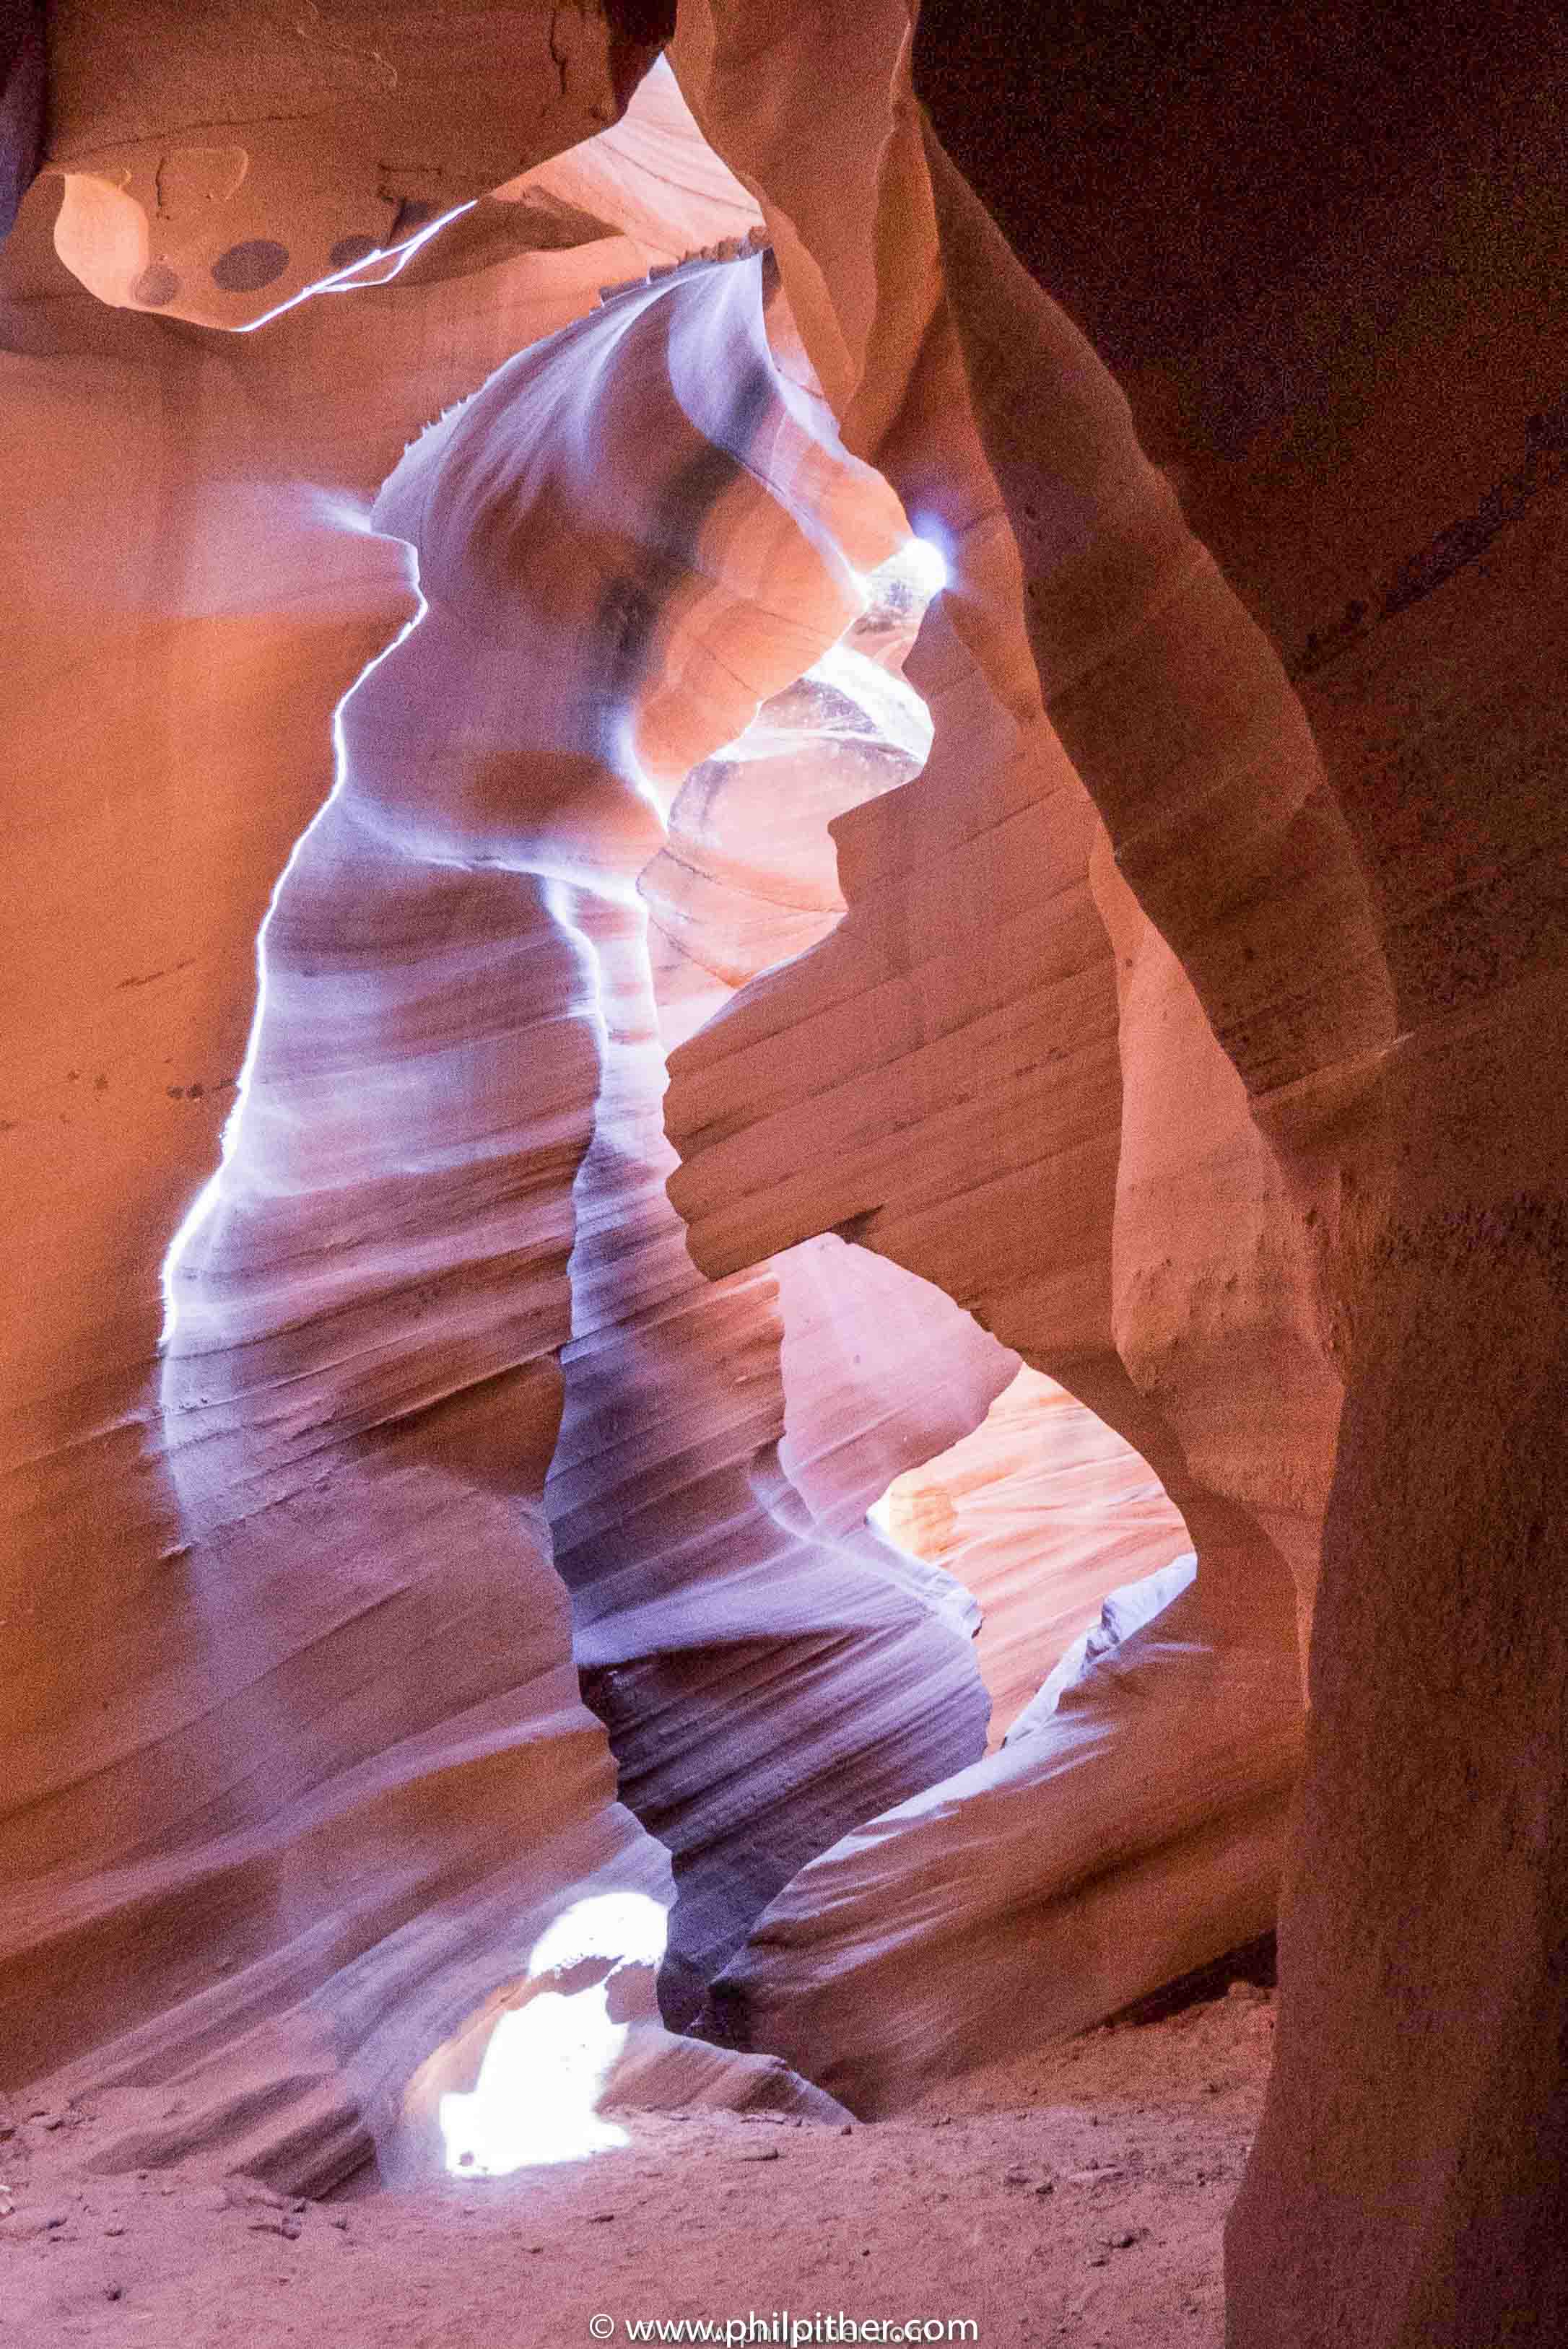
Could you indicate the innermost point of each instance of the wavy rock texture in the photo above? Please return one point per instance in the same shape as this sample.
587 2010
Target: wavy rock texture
708 1608
1187 1023
1357 886
960 1078
877 1364
328 1337
21 77
217 170
1389 496
1040 1512
715 1614
1126 1610
144 1882
927 1941
299 1766
710 1521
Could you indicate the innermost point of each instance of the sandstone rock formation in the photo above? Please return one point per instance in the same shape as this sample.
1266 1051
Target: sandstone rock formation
1040 1512
350 1683
22 80
1385 494
1184 1024
216 169
953 1078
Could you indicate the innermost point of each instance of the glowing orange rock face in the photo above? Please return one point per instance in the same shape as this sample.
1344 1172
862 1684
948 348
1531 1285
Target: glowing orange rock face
1185 1023
1040 1512
961 1078
443 1169
218 178
354 1702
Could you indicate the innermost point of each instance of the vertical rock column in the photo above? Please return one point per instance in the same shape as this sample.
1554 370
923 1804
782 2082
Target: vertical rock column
771 1672
1332 293
967 1077
631 536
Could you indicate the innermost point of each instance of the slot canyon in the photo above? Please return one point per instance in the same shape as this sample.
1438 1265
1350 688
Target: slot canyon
785 1164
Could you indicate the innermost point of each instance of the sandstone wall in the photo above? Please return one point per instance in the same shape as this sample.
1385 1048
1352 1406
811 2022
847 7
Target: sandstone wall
1332 311
1040 1512
1191 1024
963 1077
301 1768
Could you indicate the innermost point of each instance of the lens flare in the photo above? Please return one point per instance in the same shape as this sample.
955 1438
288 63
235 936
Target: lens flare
925 565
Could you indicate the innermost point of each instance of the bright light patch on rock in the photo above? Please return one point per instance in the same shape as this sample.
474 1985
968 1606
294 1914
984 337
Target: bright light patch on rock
926 563
546 2063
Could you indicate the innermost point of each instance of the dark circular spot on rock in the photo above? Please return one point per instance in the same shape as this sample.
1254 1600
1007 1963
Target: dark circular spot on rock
248 266
412 213
350 249
157 284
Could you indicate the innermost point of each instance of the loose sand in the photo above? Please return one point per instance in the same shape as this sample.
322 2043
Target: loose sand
1074 2196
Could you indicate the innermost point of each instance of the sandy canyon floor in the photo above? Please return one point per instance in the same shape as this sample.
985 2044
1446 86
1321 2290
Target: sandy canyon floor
1073 2196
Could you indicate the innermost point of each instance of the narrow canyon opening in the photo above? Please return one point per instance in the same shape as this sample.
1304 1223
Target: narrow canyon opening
1059 1529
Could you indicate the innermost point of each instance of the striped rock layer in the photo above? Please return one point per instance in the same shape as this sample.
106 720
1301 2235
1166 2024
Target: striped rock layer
1190 1024
324 1777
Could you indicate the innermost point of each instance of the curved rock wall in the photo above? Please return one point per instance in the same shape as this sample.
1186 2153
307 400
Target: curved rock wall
706 1604
362 1329
1359 913
21 78
767 1685
1185 1024
879 1365
298 1774
222 163
1040 1512
355 1706
1367 431
959 1077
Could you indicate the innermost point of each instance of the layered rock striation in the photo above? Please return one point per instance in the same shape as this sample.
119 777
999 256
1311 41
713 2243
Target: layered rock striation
1184 1026
971 1076
353 1780
1332 315
1040 1512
